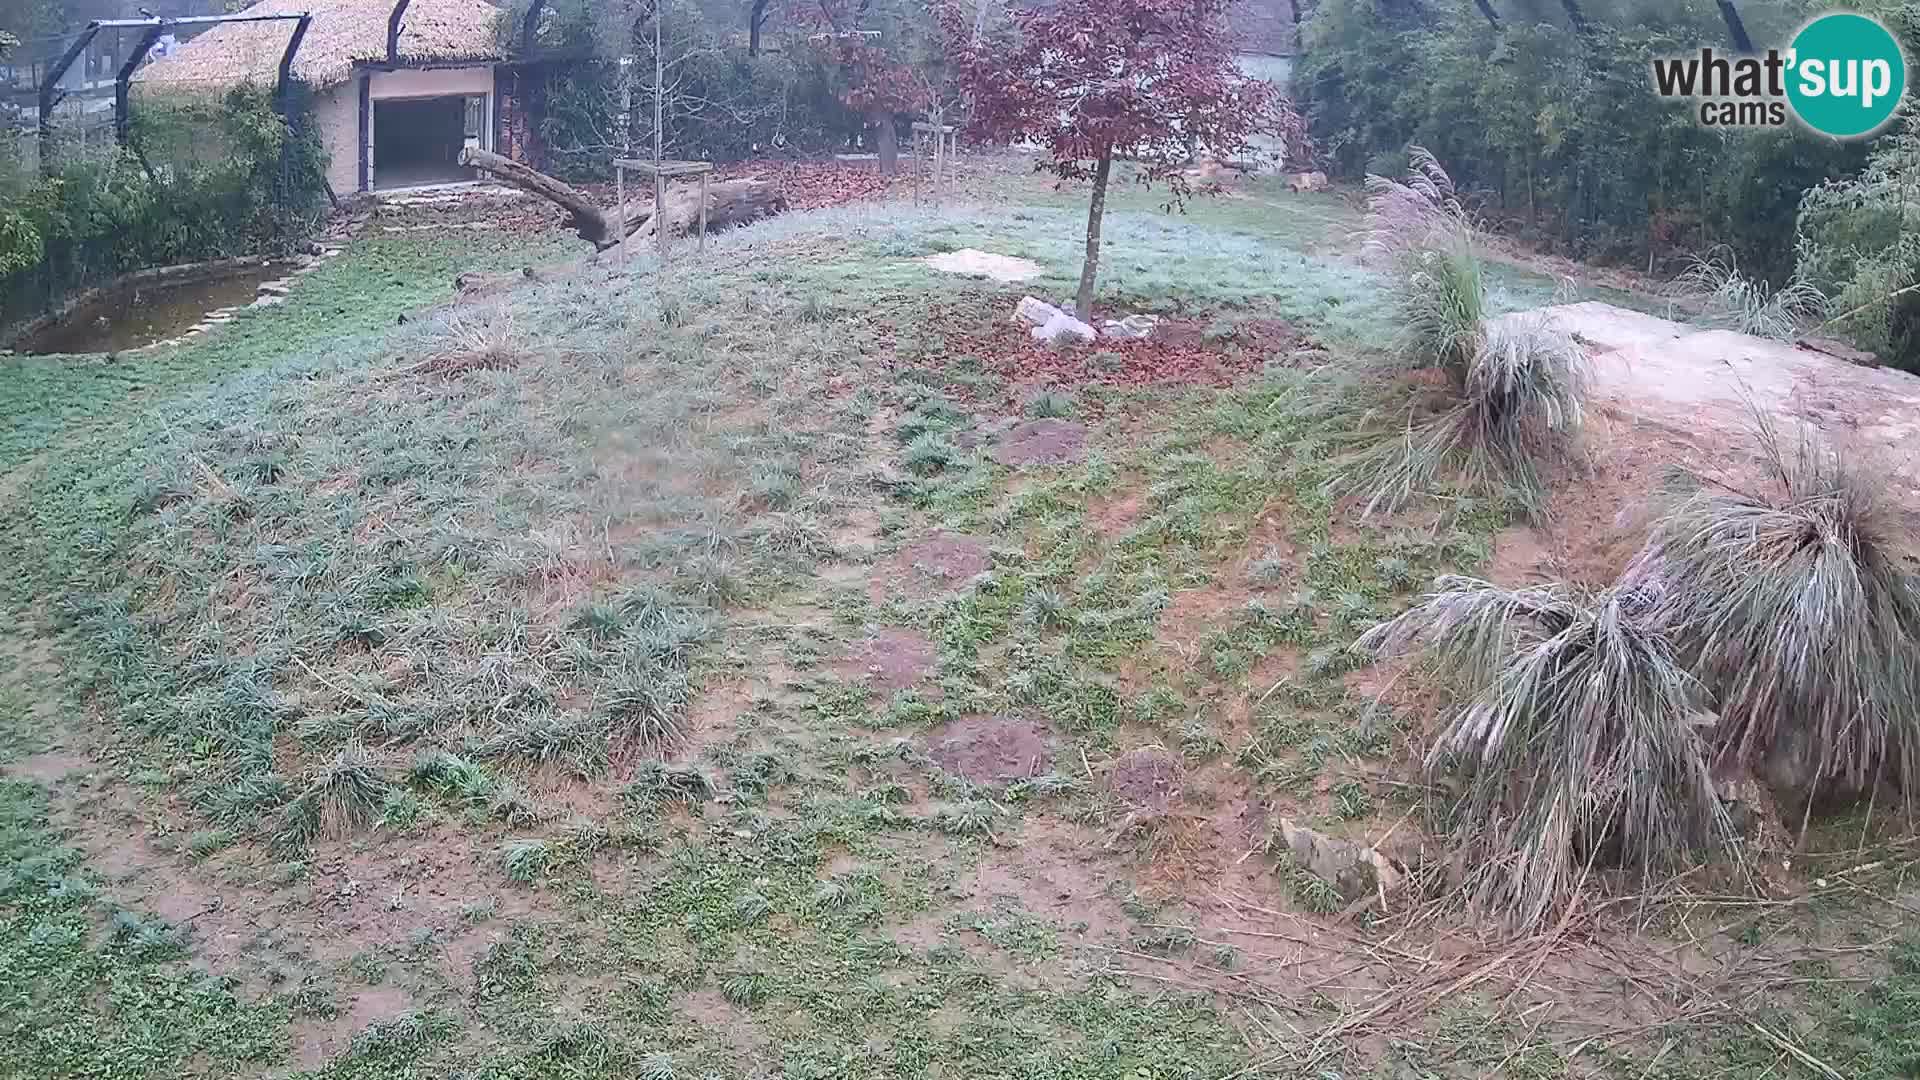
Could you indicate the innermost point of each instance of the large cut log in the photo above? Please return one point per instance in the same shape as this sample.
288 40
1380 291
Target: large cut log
729 202
583 215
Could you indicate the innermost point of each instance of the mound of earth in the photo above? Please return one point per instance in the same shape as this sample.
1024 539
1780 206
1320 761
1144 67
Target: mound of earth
993 750
1048 441
892 659
1665 394
1148 778
943 558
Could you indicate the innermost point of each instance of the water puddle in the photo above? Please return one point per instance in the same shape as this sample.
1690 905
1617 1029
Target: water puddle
136 316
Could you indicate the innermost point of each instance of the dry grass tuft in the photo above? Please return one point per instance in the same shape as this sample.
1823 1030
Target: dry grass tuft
1798 605
1573 731
484 338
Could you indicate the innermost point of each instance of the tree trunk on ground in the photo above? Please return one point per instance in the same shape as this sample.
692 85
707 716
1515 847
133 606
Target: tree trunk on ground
886 142
729 202
756 20
584 216
1083 303
1735 27
1486 8
1576 18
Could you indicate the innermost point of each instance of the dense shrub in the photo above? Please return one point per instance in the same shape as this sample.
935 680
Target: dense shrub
1559 132
198 180
1857 241
724 106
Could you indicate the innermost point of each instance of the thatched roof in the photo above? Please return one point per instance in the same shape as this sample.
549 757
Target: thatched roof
344 32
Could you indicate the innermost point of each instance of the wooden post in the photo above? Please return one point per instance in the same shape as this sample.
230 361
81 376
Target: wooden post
659 206
620 202
703 211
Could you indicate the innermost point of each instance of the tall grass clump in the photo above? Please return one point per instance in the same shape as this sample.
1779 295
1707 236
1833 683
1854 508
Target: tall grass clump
1418 229
1571 732
1515 385
343 797
1797 603
1731 299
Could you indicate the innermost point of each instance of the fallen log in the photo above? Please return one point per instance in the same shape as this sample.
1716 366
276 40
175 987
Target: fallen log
729 202
584 216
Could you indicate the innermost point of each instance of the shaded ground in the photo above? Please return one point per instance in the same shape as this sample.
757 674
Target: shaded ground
692 691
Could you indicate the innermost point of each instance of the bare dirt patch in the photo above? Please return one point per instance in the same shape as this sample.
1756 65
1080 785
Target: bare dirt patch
1111 517
944 558
892 659
993 750
1049 441
317 1042
47 768
1147 778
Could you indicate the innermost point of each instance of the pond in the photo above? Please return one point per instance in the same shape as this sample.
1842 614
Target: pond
132 316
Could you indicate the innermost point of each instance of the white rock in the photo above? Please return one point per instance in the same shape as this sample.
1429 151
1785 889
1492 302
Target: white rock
1063 325
1033 310
1134 327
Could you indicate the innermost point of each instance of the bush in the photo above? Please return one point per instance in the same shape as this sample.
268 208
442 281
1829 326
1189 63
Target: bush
1857 240
199 180
1517 383
1572 731
1797 605
1418 227
1553 131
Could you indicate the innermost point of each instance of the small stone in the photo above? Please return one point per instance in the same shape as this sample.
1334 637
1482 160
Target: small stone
1356 870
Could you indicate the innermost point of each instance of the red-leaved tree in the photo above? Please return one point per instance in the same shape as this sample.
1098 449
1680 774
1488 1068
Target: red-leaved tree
1153 81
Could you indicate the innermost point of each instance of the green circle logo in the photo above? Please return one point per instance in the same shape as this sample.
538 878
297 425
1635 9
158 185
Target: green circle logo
1845 75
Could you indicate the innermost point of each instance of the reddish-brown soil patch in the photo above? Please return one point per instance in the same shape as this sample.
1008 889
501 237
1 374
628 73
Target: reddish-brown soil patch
943 559
1048 441
1116 515
892 659
1148 778
1521 556
993 750
317 1042
47 768
1181 352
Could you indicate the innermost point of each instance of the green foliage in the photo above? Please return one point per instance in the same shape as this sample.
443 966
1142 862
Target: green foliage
1857 240
1573 731
199 180
1560 132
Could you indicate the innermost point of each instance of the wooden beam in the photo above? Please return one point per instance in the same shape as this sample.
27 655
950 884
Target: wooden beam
283 84
50 95
123 82
393 30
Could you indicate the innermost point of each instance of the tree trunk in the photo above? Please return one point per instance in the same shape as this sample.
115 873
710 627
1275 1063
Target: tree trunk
1083 303
756 18
1576 18
583 215
1486 8
886 142
729 202
1735 27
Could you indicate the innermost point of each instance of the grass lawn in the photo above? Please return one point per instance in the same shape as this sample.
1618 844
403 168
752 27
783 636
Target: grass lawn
763 667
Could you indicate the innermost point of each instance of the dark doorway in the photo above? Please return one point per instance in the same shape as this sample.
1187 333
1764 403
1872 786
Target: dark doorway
418 140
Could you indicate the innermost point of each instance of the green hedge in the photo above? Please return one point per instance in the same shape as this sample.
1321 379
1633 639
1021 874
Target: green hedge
1560 133
198 180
